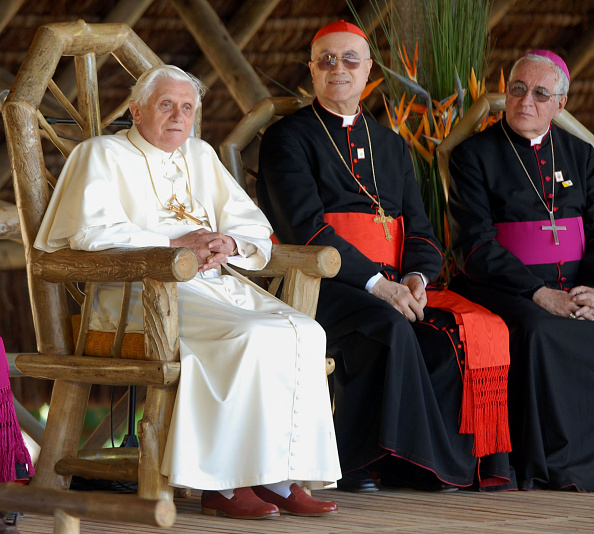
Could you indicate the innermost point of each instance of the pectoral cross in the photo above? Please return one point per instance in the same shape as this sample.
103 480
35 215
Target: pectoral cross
381 218
554 227
180 210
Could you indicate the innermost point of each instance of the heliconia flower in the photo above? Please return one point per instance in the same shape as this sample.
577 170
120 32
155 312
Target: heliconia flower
411 68
426 154
370 87
473 86
389 113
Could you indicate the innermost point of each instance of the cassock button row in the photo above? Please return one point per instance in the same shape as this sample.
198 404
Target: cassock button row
563 278
543 161
550 195
548 178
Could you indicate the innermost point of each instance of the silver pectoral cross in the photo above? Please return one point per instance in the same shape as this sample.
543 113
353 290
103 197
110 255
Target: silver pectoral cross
554 227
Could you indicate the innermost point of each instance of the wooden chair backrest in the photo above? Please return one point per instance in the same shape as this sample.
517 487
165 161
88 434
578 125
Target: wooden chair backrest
249 128
22 121
470 123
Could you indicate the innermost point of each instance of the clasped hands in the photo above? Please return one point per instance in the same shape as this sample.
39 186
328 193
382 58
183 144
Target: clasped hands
408 297
578 303
210 248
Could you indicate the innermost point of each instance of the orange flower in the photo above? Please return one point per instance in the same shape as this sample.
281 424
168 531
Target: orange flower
370 87
411 68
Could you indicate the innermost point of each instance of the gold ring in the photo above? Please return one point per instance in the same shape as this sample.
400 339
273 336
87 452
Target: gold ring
572 315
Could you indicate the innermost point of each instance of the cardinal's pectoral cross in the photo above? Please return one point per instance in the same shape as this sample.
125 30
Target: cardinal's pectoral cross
382 219
180 211
554 227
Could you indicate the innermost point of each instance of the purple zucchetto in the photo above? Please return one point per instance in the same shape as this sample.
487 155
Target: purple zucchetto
554 58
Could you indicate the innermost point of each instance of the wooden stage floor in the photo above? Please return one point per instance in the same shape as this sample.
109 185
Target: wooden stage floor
387 511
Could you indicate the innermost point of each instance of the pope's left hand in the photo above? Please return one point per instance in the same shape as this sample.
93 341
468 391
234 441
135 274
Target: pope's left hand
583 296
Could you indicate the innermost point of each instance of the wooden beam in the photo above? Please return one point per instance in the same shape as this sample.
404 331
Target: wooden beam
9 10
12 256
218 46
248 19
580 56
88 505
499 9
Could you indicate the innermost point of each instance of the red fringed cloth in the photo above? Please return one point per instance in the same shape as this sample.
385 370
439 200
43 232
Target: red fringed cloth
13 450
484 335
484 394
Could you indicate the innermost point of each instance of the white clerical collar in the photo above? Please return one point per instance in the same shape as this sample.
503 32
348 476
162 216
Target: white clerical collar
146 147
347 120
538 140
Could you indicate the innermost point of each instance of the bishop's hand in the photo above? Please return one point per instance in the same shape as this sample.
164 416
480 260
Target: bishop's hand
402 298
210 248
556 301
583 296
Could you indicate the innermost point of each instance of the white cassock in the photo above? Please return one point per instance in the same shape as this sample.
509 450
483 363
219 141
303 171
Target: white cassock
252 405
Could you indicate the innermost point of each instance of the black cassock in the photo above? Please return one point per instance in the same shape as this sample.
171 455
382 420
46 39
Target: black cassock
551 377
398 385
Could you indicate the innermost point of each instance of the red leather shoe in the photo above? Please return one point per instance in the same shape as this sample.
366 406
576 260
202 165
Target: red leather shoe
243 505
298 503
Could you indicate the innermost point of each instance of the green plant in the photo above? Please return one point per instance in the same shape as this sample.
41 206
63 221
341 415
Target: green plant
425 91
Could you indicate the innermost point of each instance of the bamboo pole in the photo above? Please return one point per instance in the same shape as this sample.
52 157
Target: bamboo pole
580 56
246 21
9 9
241 80
499 9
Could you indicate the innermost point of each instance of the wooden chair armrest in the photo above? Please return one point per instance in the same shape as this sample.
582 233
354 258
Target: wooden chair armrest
105 371
166 264
314 261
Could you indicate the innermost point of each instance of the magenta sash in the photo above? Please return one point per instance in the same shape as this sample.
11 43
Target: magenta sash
535 246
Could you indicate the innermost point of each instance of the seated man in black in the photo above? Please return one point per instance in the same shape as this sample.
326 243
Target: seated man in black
522 221
331 176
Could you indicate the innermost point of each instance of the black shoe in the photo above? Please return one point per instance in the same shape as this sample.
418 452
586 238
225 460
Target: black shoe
407 475
358 481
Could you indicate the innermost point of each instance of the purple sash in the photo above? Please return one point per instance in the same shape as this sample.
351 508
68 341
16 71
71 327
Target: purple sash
535 246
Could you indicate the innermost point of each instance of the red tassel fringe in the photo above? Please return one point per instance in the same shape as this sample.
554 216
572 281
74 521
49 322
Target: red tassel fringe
484 409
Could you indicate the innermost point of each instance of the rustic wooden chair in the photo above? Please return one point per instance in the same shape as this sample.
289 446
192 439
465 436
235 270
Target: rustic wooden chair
472 120
150 360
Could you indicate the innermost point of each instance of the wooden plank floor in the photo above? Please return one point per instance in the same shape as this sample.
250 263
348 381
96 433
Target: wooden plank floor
388 511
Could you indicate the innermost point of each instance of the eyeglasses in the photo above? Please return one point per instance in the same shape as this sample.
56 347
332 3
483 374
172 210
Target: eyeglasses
539 94
328 61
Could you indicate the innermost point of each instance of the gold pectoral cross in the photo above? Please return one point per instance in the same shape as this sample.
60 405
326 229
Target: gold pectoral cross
180 212
381 218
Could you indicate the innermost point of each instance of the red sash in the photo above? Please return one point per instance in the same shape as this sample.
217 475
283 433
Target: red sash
369 237
484 394
484 335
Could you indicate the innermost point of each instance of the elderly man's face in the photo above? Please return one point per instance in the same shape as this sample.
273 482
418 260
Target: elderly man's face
527 117
339 89
166 119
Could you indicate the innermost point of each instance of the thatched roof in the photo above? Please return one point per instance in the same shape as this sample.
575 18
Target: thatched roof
278 50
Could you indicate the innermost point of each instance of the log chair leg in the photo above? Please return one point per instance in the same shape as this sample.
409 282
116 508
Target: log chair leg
65 524
63 430
153 429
